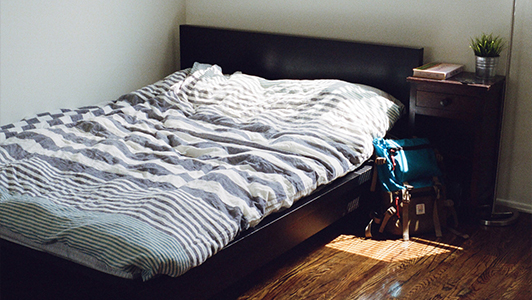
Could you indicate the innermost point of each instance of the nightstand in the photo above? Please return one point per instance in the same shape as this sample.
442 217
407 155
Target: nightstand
461 116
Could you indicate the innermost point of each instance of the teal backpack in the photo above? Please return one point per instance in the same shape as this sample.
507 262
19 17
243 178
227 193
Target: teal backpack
411 161
410 187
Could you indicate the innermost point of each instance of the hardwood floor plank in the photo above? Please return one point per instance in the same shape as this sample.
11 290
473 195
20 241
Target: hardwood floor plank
495 263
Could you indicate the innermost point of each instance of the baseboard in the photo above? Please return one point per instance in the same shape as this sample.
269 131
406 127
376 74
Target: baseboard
524 207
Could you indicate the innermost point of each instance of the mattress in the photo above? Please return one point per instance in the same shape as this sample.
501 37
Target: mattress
164 177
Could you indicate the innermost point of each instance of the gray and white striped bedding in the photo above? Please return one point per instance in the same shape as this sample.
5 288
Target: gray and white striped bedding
164 177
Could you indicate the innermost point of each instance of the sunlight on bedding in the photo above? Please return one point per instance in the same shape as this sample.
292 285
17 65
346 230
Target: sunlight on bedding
390 250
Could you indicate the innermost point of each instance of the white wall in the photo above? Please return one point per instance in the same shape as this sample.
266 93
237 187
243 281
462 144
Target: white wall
515 181
63 53
443 28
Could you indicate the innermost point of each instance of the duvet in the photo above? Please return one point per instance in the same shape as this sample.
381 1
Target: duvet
161 179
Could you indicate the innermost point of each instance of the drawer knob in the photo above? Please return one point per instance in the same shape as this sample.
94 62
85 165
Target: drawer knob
445 102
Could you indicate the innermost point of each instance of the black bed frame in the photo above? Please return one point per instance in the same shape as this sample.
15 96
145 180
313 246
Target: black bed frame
267 55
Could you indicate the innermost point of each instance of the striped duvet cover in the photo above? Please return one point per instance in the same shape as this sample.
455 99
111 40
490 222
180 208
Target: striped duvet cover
161 179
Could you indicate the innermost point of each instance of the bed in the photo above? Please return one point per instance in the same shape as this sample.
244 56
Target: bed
244 219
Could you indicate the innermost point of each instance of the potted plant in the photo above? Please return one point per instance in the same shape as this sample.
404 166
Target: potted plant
487 49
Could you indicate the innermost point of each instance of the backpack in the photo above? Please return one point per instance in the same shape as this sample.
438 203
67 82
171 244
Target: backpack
412 193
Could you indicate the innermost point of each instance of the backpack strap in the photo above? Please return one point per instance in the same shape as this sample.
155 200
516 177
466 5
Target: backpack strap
374 220
435 215
389 213
392 210
368 229
379 161
406 221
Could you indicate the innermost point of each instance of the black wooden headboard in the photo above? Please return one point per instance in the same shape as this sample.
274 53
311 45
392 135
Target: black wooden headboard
276 56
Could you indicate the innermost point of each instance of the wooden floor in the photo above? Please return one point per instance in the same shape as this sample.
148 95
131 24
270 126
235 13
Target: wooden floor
494 263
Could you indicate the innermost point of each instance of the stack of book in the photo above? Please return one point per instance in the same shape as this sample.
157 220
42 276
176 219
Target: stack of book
437 70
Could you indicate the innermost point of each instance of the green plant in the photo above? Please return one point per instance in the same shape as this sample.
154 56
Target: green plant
487 45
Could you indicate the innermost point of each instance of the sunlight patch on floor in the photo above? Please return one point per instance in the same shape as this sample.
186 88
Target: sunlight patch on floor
390 250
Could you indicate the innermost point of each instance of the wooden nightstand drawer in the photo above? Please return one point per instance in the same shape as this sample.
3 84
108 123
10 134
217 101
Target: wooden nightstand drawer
445 102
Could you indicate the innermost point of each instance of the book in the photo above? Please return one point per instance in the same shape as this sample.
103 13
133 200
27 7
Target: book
436 70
